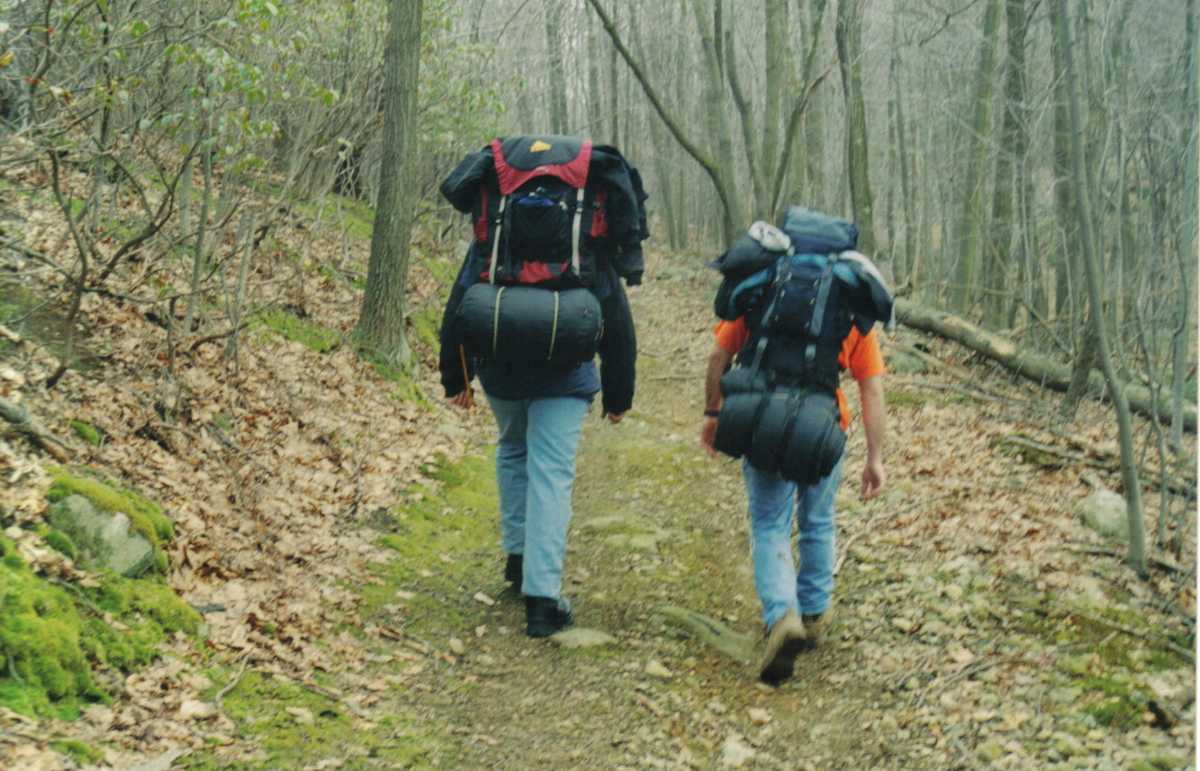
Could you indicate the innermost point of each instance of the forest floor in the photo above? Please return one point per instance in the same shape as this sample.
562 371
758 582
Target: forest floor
339 533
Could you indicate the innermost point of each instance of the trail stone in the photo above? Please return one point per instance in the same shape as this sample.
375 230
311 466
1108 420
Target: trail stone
457 647
990 751
715 634
581 637
1104 511
103 538
192 709
301 715
735 753
655 668
759 716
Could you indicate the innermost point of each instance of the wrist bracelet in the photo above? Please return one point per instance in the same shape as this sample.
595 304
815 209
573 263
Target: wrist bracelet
712 413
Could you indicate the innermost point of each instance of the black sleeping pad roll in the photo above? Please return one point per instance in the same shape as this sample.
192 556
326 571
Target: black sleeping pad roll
735 425
815 441
529 325
742 380
766 448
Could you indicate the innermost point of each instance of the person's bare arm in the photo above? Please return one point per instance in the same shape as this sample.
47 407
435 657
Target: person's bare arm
718 362
874 411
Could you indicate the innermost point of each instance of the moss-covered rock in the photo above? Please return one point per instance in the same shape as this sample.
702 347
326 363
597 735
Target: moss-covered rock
61 543
145 516
104 539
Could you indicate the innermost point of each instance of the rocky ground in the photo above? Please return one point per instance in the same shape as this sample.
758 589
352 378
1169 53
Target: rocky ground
340 540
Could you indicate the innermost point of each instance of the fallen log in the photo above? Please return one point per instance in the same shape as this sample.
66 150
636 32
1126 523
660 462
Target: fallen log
23 424
1033 366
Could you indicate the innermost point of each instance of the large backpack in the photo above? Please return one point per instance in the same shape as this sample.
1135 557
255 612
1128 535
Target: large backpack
800 290
542 209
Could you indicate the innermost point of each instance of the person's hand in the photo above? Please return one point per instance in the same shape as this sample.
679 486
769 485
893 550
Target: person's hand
873 480
462 399
614 417
708 434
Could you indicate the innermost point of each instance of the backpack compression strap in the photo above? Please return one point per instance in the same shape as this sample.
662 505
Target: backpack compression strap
575 227
818 318
496 243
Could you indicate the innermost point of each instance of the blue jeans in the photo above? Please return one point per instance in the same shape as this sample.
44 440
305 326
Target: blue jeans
535 470
780 585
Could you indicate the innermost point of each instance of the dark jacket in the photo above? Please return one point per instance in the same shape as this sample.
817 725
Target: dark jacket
618 352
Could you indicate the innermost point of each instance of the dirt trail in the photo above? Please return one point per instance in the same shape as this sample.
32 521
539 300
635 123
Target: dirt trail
966 636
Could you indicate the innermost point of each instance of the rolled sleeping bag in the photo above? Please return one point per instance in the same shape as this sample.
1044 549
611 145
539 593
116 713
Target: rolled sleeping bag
792 433
735 424
743 380
814 440
529 325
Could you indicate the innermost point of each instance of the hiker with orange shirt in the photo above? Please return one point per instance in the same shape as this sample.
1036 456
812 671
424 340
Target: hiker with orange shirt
797 307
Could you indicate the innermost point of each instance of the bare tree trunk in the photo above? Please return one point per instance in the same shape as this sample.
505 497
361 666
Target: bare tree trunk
1180 344
814 117
381 322
849 45
1000 245
559 120
970 224
614 96
1129 473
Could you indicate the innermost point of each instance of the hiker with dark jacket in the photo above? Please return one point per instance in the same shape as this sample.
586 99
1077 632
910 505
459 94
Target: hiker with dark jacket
797 307
499 320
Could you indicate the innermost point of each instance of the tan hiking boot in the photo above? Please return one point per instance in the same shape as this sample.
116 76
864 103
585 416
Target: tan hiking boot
784 642
816 627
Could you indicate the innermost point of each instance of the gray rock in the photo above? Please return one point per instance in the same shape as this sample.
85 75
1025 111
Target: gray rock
641 542
103 538
737 646
1104 512
581 637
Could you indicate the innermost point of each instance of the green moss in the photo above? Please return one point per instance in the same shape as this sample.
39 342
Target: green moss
454 515
43 669
259 705
901 398
150 598
62 543
407 390
87 432
425 325
53 638
81 752
312 336
1159 763
145 516
1115 713
356 280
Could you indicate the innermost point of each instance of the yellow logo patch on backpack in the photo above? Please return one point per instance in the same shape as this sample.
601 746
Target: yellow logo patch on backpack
539 147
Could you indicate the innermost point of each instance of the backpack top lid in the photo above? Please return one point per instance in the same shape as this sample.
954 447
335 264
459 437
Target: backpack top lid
814 232
521 158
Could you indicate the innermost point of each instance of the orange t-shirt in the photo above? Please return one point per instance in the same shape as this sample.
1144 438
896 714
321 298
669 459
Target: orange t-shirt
860 354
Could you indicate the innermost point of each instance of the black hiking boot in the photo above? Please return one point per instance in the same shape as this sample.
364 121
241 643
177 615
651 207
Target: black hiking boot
513 569
545 616
784 642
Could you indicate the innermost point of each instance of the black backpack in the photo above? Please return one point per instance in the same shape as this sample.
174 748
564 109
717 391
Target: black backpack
539 216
